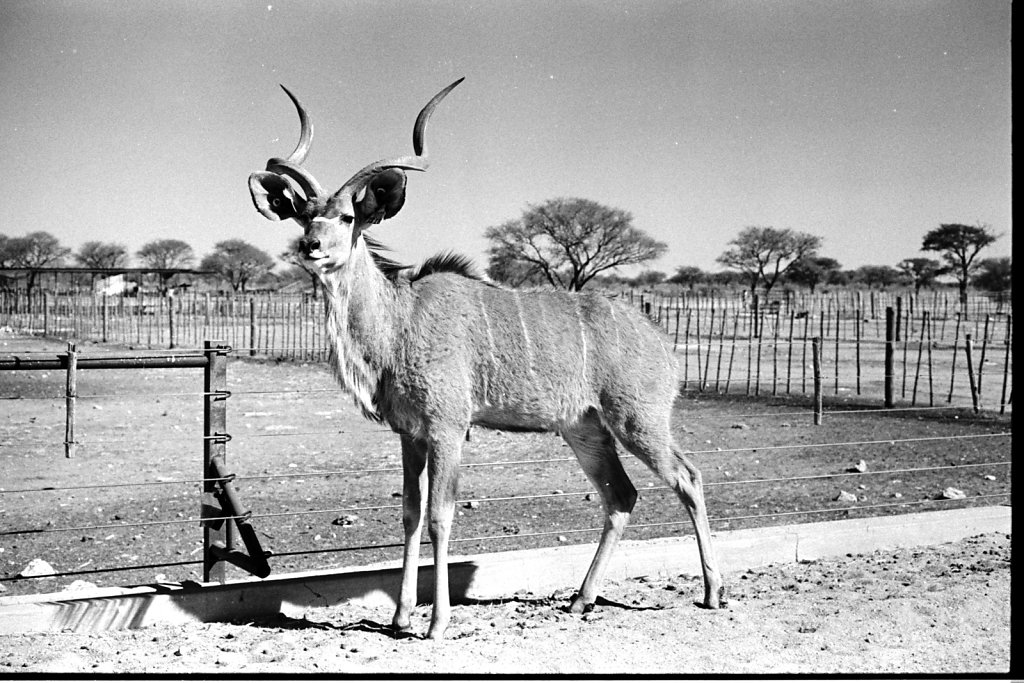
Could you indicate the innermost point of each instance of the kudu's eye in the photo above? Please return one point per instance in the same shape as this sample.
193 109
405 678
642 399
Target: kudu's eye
347 220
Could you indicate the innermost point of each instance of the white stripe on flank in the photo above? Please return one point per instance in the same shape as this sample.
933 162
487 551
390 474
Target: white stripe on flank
493 364
615 326
526 334
583 333
487 324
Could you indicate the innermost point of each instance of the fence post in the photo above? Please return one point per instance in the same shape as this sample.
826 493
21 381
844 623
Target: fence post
215 437
816 360
755 309
1006 362
105 316
890 340
952 368
170 319
970 371
675 341
252 326
70 394
899 318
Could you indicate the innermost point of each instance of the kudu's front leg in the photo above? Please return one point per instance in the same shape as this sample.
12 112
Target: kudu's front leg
443 469
414 480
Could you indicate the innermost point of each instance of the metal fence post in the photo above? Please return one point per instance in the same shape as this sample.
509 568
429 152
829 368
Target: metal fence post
70 395
215 396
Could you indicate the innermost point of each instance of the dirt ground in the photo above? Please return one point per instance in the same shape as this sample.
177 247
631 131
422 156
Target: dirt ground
930 610
319 478
324 484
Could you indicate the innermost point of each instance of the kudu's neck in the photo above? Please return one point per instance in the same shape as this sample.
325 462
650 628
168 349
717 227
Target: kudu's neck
364 311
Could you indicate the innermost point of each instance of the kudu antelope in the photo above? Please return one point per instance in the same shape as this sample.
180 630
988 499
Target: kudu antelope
434 350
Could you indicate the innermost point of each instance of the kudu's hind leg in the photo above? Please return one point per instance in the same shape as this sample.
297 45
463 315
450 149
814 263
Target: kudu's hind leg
414 484
595 449
659 452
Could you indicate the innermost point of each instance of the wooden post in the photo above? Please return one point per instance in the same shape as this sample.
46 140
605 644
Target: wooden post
931 391
686 350
754 309
984 349
252 326
70 394
775 355
757 378
899 318
789 351
675 341
803 354
890 340
836 378
905 338
732 350
700 376
750 359
952 368
170 320
105 317
970 372
707 354
920 351
721 349
215 436
816 356
1006 363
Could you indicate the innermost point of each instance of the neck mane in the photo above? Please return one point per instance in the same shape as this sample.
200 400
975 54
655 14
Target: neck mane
364 307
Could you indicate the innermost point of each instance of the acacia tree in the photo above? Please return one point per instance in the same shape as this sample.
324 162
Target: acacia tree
880 276
959 244
32 252
506 266
765 254
647 278
95 254
812 271
688 276
995 274
166 254
921 271
238 262
5 251
568 241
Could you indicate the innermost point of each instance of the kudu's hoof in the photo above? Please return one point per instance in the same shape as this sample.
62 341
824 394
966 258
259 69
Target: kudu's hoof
580 606
716 600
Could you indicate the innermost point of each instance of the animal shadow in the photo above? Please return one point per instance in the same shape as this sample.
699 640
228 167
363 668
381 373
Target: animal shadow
285 622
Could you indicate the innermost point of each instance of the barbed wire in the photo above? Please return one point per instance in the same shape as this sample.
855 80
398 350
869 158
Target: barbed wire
494 499
498 463
534 534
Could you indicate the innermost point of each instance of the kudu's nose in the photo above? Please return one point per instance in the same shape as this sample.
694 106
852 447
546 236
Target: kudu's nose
307 245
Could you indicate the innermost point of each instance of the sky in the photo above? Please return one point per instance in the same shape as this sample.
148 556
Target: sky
865 123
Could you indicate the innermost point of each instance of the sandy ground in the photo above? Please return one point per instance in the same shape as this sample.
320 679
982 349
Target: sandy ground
929 610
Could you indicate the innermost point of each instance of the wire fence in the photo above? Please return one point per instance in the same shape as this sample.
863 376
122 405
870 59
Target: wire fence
131 502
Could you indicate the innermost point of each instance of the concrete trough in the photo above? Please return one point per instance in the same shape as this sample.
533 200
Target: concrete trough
483 577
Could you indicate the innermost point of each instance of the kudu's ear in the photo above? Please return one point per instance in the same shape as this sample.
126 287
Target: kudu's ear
276 196
383 196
